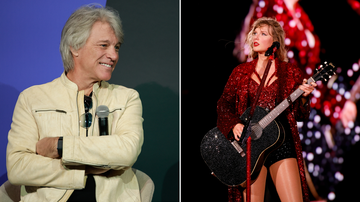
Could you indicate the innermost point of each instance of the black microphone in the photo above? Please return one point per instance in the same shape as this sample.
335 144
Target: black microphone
102 112
272 48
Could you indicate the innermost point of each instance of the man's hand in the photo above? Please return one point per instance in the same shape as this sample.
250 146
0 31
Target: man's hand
48 147
95 171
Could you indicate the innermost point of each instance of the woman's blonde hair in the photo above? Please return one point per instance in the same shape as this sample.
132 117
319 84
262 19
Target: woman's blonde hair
275 30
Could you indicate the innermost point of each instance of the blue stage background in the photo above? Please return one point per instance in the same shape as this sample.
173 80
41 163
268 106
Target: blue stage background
29 52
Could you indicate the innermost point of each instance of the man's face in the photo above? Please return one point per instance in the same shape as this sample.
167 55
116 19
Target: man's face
97 59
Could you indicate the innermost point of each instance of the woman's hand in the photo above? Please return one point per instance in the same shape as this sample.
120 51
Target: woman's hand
307 88
237 130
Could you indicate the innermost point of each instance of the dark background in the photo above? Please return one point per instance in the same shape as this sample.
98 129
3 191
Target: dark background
207 35
149 63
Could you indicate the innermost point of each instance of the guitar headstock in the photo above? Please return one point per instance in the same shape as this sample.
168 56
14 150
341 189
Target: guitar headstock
324 72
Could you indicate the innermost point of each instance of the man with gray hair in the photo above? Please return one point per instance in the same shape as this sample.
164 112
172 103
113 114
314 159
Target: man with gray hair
54 146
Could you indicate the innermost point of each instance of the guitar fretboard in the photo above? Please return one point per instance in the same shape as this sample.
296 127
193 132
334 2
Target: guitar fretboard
282 106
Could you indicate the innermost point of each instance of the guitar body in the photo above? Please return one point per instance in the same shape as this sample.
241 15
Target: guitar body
225 161
228 162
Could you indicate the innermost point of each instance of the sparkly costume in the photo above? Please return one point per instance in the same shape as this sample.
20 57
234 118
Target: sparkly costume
234 101
268 101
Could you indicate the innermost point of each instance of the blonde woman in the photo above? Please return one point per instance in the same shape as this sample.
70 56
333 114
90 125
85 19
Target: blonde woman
285 164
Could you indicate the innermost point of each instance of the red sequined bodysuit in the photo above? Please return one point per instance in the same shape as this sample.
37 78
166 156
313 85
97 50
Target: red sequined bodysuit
267 97
234 101
267 100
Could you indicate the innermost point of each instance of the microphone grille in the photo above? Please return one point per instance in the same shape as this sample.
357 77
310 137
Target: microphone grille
102 111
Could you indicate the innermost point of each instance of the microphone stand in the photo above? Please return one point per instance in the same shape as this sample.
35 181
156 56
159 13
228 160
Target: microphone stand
270 52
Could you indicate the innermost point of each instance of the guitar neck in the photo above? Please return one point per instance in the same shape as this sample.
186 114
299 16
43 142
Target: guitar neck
282 106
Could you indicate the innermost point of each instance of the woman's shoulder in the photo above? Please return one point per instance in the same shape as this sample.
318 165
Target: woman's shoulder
246 67
288 66
290 72
285 63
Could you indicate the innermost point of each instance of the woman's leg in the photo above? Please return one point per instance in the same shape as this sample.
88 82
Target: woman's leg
286 177
258 187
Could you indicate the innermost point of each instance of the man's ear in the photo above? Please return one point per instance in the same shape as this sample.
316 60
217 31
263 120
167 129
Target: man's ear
74 52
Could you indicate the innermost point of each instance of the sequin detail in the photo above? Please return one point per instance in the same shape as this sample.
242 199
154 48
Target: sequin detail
234 101
267 100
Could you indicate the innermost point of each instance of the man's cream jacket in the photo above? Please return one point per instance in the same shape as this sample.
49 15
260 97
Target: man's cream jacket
53 110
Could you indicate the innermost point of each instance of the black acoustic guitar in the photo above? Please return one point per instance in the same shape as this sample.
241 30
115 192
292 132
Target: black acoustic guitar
226 159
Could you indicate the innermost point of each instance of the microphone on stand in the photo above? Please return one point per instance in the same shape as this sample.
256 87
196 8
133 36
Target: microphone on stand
102 112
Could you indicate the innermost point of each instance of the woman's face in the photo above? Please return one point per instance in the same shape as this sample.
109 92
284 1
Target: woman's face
262 39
